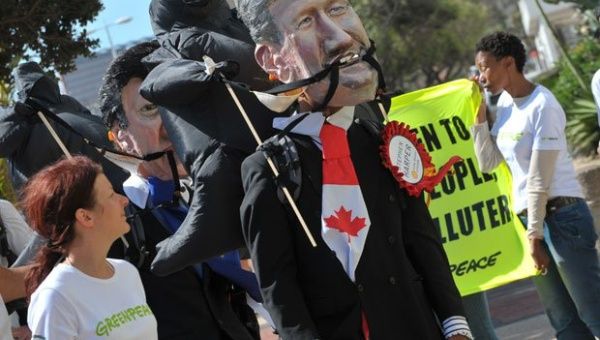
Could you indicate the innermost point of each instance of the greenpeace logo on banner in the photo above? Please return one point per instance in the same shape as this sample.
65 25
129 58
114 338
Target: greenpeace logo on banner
471 210
473 265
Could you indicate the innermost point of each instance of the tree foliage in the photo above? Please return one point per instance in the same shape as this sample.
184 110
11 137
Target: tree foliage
563 84
424 42
6 189
582 124
48 30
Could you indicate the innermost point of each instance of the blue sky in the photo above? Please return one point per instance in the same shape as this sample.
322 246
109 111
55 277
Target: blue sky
138 27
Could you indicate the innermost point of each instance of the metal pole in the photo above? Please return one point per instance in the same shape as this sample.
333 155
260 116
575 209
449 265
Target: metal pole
110 42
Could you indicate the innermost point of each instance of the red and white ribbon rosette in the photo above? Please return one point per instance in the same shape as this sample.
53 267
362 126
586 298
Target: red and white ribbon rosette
408 160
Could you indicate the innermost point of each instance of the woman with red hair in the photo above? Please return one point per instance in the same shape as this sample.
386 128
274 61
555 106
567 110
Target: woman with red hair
75 291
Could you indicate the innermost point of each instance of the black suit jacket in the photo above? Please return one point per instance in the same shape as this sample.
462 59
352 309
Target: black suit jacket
402 278
188 307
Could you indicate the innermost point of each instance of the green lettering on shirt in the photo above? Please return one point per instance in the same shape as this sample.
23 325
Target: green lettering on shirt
116 320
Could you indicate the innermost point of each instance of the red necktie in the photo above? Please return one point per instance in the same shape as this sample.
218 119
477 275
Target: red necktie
338 170
337 164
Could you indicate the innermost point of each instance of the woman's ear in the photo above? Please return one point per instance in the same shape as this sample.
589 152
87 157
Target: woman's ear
84 218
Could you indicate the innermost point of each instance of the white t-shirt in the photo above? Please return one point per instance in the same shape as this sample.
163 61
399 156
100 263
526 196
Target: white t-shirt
72 305
596 91
5 328
18 233
536 122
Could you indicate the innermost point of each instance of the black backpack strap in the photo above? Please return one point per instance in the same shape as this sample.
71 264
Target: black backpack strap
138 255
282 150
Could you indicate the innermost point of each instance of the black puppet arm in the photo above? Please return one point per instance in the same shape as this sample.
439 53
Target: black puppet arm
27 143
269 238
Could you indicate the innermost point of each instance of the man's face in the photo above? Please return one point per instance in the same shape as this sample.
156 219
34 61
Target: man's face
145 132
316 33
493 73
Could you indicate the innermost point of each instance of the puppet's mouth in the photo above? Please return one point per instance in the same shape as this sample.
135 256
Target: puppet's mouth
349 59
346 59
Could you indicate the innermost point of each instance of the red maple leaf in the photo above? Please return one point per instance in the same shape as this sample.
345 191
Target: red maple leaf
344 223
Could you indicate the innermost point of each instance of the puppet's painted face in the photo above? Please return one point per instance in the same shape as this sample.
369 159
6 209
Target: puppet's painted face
316 33
145 133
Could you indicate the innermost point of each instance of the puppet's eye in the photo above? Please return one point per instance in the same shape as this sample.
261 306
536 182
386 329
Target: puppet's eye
149 110
338 9
304 22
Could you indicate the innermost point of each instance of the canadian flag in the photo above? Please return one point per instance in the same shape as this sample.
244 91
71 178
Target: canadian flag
344 217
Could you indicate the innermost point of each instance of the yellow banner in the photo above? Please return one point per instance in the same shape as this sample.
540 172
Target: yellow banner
484 240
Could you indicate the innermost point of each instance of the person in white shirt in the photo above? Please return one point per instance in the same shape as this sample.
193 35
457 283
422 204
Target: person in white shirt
596 92
529 136
5 329
14 236
12 287
75 291
18 232
596 78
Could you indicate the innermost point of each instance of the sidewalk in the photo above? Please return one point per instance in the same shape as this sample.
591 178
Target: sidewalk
518 314
533 328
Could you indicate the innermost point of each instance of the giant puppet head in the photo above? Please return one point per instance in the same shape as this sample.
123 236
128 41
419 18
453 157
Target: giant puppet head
297 39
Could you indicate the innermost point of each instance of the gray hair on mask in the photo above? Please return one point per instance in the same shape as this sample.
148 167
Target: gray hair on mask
258 19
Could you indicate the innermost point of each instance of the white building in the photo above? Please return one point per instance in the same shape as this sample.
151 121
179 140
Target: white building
564 17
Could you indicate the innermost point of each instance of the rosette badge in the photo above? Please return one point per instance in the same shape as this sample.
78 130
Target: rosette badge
409 162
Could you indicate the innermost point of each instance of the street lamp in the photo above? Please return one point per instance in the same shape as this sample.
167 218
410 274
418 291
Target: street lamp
119 21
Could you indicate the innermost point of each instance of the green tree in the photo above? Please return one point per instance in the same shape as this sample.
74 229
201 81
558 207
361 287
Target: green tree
46 29
424 42
582 123
6 189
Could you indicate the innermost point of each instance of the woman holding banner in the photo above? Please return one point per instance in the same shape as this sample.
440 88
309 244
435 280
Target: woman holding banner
529 135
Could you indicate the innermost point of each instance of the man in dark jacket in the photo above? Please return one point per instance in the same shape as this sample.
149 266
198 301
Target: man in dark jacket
378 270
194 302
206 128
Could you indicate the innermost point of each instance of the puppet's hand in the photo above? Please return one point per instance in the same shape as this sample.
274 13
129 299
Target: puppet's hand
24 109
